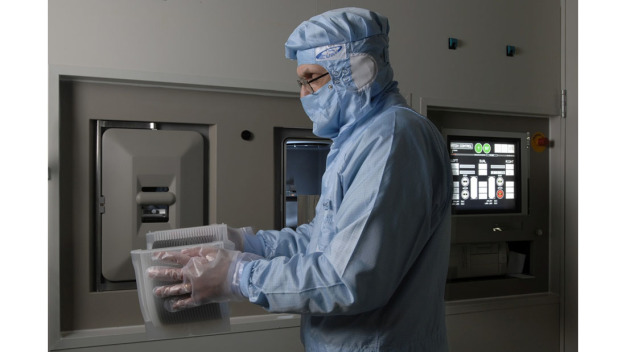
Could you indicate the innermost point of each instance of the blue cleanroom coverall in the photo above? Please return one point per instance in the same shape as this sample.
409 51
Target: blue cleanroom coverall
369 272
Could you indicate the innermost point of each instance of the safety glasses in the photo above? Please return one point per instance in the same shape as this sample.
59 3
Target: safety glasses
307 84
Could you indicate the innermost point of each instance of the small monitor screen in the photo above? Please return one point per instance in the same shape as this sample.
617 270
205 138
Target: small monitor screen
486 174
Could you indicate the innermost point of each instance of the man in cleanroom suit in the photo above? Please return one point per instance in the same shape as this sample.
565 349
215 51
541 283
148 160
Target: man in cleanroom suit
368 273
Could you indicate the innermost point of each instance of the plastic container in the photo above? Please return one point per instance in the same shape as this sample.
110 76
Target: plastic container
161 324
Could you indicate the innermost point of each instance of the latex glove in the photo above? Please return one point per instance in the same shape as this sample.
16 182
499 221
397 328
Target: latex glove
236 236
208 275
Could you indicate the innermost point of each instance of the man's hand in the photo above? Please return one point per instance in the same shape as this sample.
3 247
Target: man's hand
205 276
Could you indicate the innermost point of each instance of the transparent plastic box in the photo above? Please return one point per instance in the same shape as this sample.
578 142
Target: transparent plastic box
161 324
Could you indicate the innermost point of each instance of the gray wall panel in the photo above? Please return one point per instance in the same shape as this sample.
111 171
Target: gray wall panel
529 328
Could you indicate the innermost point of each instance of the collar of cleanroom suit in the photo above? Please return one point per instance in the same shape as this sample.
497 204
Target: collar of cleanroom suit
369 272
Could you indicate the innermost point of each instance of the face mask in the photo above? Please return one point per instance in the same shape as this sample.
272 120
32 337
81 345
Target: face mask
323 109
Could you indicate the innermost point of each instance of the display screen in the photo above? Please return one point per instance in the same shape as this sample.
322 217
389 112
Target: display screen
486 174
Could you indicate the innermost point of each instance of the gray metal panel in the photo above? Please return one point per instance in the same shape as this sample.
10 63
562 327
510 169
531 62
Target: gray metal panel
263 340
133 38
133 160
525 328
236 44
478 72
570 303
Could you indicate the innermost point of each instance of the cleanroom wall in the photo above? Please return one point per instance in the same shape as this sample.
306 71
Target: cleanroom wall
221 65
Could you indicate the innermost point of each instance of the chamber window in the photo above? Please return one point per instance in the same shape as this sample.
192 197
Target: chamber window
304 165
155 212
